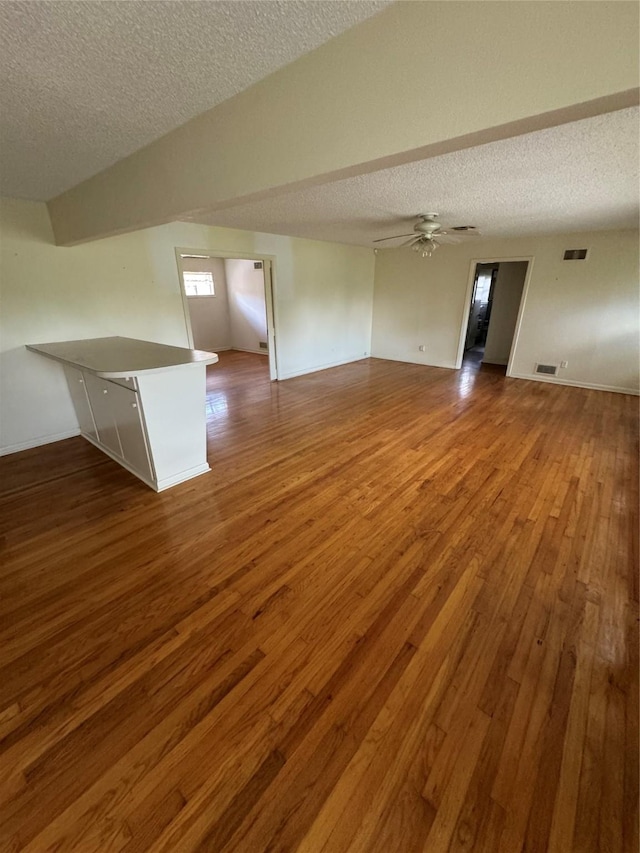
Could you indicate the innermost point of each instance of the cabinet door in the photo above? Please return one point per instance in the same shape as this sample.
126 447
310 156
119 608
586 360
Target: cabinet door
75 381
100 392
128 417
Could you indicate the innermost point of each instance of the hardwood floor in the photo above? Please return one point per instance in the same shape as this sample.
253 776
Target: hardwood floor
399 615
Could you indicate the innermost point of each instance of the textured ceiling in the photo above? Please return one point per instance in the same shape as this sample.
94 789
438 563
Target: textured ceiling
578 176
83 83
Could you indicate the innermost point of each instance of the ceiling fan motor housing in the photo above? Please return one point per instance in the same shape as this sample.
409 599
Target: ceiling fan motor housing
427 225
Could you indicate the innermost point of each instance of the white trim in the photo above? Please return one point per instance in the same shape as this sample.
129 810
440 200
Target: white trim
182 477
553 380
38 442
467 304
270 305
184 297
516 332
319 367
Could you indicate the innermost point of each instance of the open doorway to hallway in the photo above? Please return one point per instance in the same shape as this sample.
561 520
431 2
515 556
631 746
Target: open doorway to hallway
228 304
493 311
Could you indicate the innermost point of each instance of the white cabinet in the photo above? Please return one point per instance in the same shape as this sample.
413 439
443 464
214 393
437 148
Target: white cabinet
125 406
75 381
110 416
100 398
140 402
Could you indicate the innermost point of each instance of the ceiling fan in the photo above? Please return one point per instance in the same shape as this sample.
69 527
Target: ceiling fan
428 233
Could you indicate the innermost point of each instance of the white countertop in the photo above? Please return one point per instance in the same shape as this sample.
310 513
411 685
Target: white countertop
117 358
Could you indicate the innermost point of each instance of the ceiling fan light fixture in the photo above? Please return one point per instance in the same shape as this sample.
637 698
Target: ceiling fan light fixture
426 247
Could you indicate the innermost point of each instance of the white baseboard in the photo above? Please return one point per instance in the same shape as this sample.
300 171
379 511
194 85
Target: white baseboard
317 368
256 351
421 362
553 380
182 477
38 442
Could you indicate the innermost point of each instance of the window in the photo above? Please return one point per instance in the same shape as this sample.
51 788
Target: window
198 284
483 287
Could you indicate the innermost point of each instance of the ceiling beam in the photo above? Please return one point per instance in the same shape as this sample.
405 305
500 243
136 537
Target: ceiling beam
418 79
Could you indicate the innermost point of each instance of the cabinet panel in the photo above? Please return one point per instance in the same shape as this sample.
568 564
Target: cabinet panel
100 392
75 381
126 383
128 417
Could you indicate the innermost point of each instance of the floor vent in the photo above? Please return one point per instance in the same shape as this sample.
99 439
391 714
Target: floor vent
263 345
548 369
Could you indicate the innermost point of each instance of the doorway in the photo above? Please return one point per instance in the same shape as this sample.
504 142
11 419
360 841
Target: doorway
480 309
228 303
493 310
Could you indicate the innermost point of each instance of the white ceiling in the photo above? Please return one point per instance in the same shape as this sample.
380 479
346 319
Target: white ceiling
578 176
83 84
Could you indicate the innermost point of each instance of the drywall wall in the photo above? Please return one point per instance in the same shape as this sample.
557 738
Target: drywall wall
582 312
357 83
120 286
129 286
419 302
209 315
507 294
247 306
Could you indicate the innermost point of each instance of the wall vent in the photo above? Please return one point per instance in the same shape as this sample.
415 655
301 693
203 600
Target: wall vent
257 265
575 255
263 345
548 369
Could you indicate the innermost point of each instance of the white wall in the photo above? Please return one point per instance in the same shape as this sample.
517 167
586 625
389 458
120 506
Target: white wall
128 285
507 294
583 312
247 306
209 315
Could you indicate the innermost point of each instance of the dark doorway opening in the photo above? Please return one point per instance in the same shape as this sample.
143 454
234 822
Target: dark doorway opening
480 311
495 301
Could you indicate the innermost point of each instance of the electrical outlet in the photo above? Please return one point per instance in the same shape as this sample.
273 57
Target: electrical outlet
564 364
421 348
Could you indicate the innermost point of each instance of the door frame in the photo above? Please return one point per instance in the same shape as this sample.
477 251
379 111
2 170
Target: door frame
269 276
467 303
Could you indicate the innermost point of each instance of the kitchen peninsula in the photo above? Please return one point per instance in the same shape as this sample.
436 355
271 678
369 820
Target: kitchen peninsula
141 403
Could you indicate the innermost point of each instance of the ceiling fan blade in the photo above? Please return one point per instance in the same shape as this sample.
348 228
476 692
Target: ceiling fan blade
396 237
446 237
452 232
455 236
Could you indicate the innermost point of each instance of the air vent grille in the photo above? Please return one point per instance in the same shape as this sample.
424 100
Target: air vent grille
548 369
264 345
575 255
257 265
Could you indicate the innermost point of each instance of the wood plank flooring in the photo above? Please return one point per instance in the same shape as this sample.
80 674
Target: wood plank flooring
400 615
